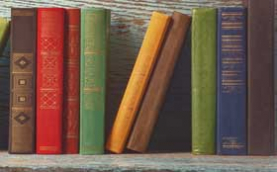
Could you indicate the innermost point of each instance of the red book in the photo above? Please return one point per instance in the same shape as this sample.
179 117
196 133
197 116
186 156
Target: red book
50 52
71 85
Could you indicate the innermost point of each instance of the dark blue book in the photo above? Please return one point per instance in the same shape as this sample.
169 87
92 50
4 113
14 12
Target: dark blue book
231 82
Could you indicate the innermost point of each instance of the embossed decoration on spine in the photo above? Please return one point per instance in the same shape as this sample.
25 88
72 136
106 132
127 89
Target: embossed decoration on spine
231 82
94 46
71 82
22 81
50 53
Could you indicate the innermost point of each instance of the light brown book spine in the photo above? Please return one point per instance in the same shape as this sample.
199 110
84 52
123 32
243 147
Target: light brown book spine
159 83
22 82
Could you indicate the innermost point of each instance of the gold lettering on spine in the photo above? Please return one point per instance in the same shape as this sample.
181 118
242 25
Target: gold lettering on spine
232 55
92 53
231 143
49 53
22 13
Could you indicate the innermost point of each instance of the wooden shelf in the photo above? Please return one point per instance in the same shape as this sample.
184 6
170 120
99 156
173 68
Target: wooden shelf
184 162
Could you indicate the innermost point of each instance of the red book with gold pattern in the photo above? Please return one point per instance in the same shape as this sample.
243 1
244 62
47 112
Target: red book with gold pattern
71 85
50 52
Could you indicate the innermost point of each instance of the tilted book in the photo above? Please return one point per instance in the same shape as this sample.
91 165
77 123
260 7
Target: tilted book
203 80
71 106
231 81
175 113
260 77
159 82
50 57
95 25
138 81
22 80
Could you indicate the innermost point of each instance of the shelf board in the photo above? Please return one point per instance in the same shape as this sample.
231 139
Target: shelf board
184 162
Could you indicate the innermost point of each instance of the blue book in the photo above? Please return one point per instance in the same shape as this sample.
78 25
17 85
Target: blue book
231 82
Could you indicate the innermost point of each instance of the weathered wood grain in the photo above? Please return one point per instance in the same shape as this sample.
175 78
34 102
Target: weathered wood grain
180 162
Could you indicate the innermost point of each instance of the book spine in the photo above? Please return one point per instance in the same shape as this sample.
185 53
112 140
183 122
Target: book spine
50 52
22 80
94 50
231 82
71 84
138 81
155 94
203 80
4 33
261 77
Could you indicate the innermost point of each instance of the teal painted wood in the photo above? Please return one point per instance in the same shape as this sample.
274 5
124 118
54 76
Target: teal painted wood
140 162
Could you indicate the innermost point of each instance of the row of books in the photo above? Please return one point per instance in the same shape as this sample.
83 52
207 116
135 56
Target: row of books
231 80
50 85
232 92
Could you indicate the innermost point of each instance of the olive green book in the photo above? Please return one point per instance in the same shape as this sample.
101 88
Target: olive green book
4 33
95 25
203 80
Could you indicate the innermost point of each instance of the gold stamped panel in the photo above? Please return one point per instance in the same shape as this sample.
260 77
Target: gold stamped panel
22 62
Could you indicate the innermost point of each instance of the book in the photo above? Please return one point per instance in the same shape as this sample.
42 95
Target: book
231 81
138 81
4 79
22 80
260 77
159 82
71 85
50 57
175 114
95 25
4 33
203 80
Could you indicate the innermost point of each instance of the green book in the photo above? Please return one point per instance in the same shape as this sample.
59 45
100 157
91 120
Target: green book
203 81
4 33
95 25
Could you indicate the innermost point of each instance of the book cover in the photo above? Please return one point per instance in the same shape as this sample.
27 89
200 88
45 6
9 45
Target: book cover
260 77
138 82
22 80
203 80
95 25
50 57
231 81
159 82
71 82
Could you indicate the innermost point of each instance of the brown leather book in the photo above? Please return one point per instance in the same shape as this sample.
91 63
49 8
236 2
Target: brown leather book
22 82
159 83
260 77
